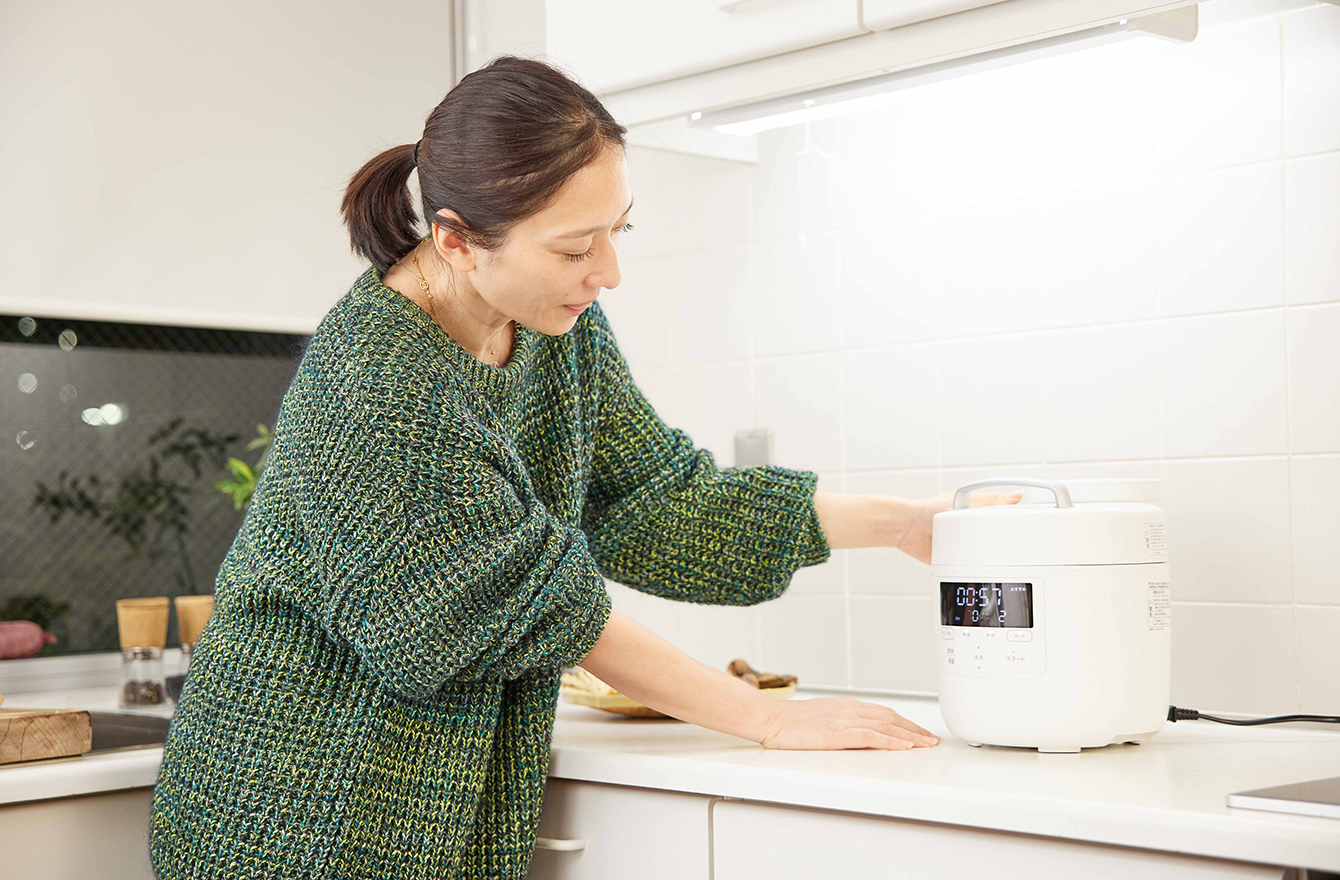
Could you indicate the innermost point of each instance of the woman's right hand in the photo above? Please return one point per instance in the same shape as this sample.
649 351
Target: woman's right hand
842 723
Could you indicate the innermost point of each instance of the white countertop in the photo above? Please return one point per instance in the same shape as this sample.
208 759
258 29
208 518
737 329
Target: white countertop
1166 794
82 774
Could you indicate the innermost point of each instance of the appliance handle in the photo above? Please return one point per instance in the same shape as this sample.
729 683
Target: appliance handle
1058 489
561 844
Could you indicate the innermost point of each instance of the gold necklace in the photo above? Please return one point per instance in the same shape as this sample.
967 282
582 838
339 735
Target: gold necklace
432 305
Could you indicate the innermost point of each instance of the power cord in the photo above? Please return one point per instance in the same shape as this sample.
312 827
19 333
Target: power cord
1176 714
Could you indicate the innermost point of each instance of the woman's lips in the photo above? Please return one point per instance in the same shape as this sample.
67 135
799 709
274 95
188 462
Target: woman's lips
577 309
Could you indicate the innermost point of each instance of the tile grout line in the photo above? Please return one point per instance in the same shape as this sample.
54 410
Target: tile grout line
1288 391
850 676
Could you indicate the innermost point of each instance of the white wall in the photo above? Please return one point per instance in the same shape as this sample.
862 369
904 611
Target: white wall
178 162
1118 262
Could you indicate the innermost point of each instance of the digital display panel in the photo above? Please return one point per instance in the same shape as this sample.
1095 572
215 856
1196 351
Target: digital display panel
1005 605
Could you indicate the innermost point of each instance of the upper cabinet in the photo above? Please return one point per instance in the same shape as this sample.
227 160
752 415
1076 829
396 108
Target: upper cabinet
879 14
614 45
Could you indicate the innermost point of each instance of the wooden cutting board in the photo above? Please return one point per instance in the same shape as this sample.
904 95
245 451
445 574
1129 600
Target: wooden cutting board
34 734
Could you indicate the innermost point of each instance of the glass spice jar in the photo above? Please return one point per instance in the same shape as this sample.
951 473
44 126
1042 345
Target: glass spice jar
142 682
177 679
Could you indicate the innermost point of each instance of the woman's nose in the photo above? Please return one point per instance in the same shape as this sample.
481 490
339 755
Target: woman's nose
607 274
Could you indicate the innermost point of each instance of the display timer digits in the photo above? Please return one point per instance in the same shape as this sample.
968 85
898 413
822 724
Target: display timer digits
1006 605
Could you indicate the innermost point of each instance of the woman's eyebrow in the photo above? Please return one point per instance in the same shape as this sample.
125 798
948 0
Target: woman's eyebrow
594 229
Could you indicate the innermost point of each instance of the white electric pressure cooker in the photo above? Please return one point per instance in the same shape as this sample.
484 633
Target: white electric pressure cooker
1055 616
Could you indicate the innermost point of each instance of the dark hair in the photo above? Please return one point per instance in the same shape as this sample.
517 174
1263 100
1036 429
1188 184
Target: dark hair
495 150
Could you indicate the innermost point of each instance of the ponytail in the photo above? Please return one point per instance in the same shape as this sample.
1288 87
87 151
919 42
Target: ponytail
378 210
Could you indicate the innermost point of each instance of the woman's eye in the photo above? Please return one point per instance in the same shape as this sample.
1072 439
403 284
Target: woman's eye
577 258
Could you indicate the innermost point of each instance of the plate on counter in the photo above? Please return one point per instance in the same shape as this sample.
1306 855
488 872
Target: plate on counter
627 706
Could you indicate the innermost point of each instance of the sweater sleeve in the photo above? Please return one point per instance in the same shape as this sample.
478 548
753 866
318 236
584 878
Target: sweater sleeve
663 518
430 554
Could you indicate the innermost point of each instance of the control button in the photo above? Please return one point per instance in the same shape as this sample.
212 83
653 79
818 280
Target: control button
1021 635
946 633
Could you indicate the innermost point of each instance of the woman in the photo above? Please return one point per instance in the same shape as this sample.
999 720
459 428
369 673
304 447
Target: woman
461 459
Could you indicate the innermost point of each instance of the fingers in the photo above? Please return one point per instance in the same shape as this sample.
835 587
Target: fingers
903 732
865 738
883 713
984 499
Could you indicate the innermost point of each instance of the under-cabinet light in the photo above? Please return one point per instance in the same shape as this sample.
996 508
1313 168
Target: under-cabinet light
745 119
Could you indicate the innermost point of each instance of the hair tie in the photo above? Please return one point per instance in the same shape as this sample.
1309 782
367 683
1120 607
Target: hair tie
416 151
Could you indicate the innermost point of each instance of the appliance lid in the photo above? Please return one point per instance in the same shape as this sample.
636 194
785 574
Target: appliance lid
1086 522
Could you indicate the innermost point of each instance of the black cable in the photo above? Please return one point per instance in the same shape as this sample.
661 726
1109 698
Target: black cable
1176 714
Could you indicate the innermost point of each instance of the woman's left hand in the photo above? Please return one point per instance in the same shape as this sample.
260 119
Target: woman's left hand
916 538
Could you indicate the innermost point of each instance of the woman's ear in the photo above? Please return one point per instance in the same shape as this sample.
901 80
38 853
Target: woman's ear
450 246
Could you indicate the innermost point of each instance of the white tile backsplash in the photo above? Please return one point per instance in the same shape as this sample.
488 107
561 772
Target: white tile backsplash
1318 659
796 305
1224 384
1102 393
1234 658
888 283
1315 481
1217 99
1055 262
1311 81
1312 214
805 635
889 405
639 311
1117 262
893 642
710 305
798 398
1228 529
1314 380
1220 240
710 203
993 399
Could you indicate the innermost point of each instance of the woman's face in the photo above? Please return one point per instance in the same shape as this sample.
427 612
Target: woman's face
563 255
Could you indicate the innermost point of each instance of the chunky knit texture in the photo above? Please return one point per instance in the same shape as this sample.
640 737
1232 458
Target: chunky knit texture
423 555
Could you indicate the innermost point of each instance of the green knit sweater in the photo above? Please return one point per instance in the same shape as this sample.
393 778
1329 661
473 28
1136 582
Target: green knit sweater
424 553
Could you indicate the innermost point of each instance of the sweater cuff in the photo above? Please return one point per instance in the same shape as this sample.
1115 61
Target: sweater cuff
791 492
590 610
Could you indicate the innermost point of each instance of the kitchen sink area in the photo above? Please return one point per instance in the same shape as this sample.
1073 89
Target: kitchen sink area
113 731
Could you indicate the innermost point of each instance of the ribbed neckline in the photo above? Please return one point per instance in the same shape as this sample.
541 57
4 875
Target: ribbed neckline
497 379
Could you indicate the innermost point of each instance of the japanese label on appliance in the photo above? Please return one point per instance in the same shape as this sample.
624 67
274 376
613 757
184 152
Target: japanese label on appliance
1160 604
1156 539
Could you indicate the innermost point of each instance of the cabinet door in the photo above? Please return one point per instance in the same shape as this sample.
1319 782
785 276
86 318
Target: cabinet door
75 838
613 44
593 831
881 14
752 841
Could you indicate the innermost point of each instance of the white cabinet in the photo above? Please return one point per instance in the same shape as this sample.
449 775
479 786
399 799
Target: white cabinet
879 14
75 838
756 841
613 45
600 832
